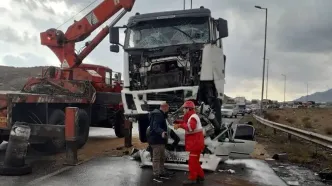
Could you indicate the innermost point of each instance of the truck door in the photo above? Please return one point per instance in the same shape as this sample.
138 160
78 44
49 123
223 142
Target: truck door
218 61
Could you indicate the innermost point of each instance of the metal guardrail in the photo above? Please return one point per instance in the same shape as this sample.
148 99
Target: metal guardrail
306 135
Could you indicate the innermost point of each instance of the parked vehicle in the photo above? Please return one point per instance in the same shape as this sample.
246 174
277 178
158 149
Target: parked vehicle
229 111
92 88
171 56
242 109
248 110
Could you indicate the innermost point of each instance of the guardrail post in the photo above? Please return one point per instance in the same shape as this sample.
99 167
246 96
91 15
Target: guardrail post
275 131
14 163
128 133
289 136
71 135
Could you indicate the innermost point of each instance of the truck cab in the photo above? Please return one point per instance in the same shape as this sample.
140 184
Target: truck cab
171 56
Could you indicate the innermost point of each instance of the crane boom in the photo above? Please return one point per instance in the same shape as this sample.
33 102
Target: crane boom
63 44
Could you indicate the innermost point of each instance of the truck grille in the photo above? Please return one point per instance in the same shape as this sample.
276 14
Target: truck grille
175 99
170 79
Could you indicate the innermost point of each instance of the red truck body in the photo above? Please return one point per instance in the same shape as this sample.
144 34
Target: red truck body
89 87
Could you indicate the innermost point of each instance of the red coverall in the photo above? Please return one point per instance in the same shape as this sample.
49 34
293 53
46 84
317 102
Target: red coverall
195 145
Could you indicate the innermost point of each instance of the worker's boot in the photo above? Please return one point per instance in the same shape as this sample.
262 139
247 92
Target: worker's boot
200 179
157 179
189 182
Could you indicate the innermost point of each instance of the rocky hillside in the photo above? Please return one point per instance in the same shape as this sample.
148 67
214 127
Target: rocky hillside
325 96
13 78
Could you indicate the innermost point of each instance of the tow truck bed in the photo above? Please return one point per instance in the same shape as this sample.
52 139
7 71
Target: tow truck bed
9 99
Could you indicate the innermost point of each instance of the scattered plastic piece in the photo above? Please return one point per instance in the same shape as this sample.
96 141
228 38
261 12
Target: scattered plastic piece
293 183
227 171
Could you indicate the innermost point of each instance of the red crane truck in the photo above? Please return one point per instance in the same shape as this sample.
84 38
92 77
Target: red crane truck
89 87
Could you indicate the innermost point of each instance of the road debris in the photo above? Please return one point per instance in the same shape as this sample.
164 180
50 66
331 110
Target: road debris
280 157
325 174
231 171
293 183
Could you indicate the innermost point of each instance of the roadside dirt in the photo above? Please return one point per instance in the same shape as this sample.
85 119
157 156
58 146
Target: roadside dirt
260 152
317 120
298 151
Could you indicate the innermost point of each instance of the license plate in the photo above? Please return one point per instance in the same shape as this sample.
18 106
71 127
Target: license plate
3 119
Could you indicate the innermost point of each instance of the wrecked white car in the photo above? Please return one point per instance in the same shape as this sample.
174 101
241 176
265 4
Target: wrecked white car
231 141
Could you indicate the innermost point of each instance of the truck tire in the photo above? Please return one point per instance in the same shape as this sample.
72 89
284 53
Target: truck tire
1 140
143 124
15 171
119 124
53 145
83 128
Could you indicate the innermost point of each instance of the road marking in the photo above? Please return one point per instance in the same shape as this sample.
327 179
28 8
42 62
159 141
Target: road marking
36 181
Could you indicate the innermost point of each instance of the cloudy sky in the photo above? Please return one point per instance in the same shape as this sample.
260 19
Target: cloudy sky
298 40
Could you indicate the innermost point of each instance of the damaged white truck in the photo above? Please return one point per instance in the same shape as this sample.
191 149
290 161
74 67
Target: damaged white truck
174 56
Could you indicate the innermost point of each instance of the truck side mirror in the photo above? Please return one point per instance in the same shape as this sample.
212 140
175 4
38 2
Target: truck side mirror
114 35
119 77
115 48
222 28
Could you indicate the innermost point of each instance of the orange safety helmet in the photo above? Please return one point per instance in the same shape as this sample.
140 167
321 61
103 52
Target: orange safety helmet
189 104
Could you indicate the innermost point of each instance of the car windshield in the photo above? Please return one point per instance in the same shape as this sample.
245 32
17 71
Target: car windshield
167 32
227 107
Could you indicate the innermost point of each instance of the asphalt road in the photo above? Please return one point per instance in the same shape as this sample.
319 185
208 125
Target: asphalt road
122 171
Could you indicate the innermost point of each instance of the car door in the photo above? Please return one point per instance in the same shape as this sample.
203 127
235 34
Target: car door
242 140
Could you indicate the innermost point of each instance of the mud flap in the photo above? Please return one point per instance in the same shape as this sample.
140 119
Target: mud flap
83 128
143 124
119 124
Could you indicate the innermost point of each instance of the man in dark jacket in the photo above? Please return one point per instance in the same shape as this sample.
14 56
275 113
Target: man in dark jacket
157 140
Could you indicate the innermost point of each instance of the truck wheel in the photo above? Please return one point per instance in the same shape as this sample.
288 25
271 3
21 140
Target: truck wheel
83 128
1 140
119 124
53 145
143 124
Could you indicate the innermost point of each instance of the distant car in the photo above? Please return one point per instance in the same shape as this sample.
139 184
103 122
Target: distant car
248 110
229 111
242 109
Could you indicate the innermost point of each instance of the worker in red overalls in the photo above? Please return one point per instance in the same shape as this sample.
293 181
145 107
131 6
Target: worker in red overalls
194 141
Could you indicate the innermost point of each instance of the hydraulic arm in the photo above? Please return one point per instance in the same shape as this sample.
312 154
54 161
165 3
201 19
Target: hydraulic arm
63 44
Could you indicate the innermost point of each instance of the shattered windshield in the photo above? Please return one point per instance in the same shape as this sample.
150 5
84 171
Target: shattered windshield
159 33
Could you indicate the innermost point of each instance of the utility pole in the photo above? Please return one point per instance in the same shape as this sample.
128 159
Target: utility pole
191 4
184 4
307 92
259 7
284 88
267 77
